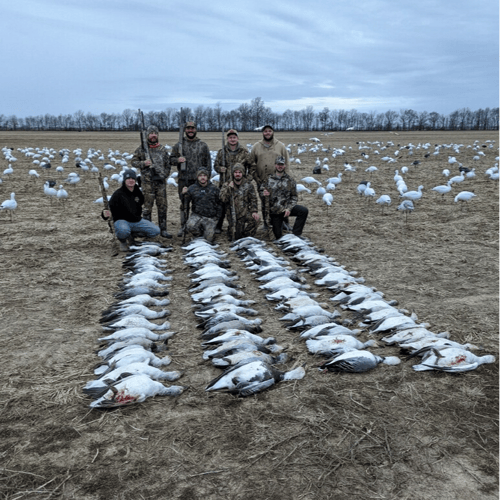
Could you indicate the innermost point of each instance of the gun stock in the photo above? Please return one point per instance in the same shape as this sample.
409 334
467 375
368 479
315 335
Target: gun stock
105 203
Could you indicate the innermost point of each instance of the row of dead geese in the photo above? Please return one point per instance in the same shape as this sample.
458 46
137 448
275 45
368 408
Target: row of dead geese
230 339
131 370
378 316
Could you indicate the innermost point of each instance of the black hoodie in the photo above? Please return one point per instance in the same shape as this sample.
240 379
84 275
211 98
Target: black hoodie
126 204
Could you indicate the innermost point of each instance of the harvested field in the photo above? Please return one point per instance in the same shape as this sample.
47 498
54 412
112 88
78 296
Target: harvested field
391 433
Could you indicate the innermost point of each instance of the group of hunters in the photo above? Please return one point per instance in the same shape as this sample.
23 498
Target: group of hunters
266 165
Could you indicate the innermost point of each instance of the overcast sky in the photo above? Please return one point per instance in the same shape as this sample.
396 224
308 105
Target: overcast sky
61 56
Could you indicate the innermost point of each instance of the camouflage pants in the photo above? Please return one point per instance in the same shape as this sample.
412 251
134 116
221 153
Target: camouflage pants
155 190
201 226
245 226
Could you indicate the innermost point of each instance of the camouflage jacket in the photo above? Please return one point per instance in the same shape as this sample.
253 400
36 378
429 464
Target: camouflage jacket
197 156
262 159
205 201
283 193
239 155
245 199
160 169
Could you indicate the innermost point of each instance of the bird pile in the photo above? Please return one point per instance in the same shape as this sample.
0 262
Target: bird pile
379 316
130 370
230 339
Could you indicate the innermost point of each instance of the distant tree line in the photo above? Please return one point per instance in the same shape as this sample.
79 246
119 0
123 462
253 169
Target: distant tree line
248 117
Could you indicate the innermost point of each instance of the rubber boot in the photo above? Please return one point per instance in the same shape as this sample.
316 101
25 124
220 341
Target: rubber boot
264 219
162 219
123 246
183 223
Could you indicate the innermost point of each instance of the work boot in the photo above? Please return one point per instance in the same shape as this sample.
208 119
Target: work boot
123 245
165 234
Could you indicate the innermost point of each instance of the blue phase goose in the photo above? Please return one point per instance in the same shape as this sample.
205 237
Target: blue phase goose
356 361
250 377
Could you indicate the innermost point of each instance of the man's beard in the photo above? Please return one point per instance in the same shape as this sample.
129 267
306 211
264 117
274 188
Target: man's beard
270 138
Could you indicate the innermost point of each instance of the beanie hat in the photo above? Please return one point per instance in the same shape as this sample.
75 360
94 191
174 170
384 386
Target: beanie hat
129 174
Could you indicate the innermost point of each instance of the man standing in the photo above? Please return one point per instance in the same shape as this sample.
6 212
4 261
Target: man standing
153 174
282 192
262 158
239 195
125 206
204 198
233 153
195 156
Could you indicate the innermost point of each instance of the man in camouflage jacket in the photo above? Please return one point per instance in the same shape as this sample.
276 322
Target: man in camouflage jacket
240 193
261 160
195 155
234 153
153 177
280 192
204 198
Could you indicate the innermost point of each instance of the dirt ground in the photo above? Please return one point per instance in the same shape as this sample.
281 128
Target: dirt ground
391 433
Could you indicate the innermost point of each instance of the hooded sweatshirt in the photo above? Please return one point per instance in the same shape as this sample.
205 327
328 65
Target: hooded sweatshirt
127 205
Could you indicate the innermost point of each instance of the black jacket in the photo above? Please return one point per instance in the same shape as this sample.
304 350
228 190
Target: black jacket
205 200
127 205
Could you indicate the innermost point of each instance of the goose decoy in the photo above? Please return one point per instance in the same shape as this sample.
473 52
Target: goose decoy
406 207
413 195
62 194
384 200
134 389
442 189
450 359
251 376
9 205
356 361
464 196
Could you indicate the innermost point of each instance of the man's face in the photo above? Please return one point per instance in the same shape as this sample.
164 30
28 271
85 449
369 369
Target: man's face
232 139
130 183
203 179
238 175
280 167
268 134
153 137
190 132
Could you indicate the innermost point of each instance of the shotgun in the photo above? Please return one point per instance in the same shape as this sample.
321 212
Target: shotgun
144 139
106 204
182 168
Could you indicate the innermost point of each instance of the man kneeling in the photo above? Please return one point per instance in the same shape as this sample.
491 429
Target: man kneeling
241 198
206 206
281 190
125 206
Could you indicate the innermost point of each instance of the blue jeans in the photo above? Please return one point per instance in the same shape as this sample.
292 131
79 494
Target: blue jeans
124 229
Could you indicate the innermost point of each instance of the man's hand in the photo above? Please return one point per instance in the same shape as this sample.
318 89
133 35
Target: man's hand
106 214
181 159
265 192
287 213
231 184
255 215
184 190
223 169
147 163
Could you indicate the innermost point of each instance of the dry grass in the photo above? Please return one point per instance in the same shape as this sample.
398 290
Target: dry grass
391 433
